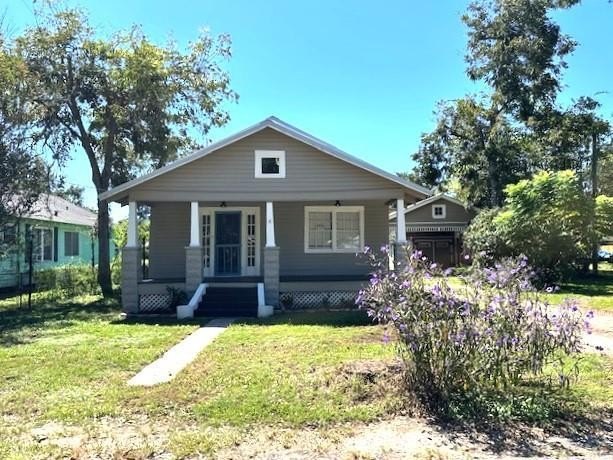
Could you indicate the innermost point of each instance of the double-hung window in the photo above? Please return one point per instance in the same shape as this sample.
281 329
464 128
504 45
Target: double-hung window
333 229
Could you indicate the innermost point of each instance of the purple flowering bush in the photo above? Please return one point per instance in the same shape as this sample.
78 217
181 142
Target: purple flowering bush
492 331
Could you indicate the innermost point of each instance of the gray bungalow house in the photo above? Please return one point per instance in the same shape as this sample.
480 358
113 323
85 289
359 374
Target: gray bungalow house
269 217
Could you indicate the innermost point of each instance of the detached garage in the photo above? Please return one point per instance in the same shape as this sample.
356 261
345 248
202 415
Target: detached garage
435 227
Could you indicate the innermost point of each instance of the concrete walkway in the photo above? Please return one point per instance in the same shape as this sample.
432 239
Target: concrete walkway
165 368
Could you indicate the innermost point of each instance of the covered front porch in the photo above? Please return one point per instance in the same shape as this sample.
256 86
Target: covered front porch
294 253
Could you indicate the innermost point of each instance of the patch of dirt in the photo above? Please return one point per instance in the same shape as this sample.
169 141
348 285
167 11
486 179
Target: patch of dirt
601 338
400 437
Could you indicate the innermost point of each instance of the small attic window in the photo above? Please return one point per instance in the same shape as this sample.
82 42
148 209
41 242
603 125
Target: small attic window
439 211
269 163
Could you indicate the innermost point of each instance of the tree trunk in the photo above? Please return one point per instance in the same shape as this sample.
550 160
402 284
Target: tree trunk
594 179
495 200
104 265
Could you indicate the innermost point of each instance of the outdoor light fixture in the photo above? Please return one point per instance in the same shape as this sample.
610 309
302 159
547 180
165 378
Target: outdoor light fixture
337 204
223 204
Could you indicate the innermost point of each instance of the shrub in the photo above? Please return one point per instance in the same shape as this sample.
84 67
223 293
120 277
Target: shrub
548 218
66 281
491 333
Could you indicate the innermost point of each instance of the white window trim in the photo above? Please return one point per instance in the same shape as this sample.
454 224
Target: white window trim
333 210
41 254
259 154
444 208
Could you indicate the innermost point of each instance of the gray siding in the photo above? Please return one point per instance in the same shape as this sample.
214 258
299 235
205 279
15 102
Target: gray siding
455 213
170 236
168 239
289 231
229 174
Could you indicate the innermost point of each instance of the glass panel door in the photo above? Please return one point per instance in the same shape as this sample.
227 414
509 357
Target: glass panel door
227 243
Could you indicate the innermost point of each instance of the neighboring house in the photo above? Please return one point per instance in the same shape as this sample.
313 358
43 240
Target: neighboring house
61 235
435 227
269 217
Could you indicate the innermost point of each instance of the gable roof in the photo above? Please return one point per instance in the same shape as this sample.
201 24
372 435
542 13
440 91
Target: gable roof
432 199
283 128
53 208
439 196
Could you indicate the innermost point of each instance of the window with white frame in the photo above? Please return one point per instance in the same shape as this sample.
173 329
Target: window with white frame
333 229
42 240
439 211
269 163
206 240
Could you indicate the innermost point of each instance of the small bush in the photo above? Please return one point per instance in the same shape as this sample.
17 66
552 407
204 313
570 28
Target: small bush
66 281
492 333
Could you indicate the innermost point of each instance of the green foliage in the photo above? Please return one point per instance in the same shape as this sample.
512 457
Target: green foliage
604 216
24 174
492 331
123 102
518 50
66 281
476 146
517 127
483 236
548 218
120 232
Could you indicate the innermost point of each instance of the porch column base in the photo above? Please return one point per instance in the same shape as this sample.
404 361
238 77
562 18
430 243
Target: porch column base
271 276
401 254
193 268
130 276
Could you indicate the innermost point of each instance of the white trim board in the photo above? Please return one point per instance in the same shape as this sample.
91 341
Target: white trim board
283 128
432 199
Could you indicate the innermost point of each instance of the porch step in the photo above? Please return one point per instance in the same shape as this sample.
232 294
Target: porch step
229 301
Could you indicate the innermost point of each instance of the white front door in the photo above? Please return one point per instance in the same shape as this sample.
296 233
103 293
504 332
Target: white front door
249 244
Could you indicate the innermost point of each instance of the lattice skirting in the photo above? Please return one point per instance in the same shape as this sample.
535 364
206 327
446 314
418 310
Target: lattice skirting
299 300
154 303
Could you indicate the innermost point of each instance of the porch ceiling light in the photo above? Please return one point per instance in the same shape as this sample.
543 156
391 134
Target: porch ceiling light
223 204
338 203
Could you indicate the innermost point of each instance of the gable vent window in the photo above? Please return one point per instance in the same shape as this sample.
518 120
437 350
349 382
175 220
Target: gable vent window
439 211
269 163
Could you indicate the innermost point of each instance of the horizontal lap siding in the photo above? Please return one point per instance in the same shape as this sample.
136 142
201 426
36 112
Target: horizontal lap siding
232 169
455 213
168 239
289 232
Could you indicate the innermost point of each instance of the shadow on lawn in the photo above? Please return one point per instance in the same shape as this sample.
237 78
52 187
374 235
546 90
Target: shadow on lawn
19 325
590 285
525 421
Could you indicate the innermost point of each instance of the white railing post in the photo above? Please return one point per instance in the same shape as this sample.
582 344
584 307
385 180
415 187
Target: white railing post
132 241
270 226
194 236
401 228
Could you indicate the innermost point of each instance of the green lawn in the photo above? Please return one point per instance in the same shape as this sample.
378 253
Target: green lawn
591 292
68 364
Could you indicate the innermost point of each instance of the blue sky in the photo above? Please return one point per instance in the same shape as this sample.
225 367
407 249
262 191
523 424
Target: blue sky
364 76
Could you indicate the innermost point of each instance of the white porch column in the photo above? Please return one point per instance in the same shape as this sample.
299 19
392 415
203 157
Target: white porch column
194 235
270 226
132 227
401 228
